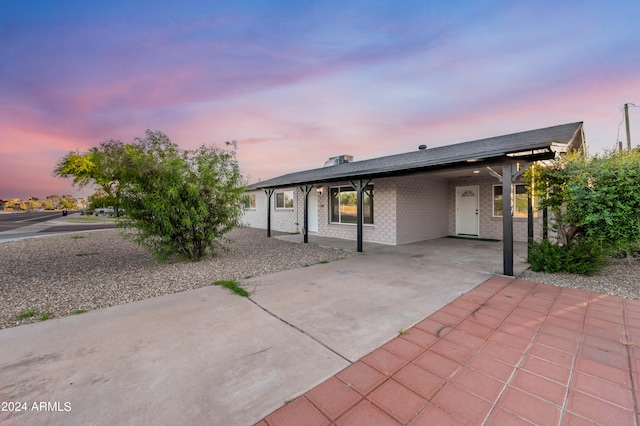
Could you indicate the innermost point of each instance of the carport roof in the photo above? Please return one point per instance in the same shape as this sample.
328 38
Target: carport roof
526 146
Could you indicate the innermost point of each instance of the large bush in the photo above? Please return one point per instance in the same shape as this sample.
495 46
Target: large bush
594 204
180 203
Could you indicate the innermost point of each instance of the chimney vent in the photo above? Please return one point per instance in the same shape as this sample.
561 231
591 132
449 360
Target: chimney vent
341 159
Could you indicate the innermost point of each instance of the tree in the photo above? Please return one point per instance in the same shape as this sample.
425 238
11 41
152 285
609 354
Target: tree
107 159
78 165
68 202
100 165
180 203
60 202
99 199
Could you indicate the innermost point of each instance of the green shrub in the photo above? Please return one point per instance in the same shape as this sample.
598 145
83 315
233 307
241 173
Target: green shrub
581 257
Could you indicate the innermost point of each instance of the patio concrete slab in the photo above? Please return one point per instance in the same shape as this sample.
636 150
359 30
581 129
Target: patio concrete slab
210 357
356 304
198 357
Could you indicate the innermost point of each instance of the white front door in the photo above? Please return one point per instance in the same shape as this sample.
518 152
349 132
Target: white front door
313 211
467 210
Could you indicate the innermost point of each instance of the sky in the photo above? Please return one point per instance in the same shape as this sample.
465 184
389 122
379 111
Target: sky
297 82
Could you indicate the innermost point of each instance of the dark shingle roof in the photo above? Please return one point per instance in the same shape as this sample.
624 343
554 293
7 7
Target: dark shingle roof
438 157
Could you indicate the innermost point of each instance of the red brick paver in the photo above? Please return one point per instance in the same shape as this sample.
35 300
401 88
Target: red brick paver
507 352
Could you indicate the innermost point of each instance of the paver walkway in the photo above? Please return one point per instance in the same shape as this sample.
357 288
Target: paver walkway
508 352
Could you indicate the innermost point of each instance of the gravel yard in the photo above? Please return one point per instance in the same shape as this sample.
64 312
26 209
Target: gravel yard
620 278
61 275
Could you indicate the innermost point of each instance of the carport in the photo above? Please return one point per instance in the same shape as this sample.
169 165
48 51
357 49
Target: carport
504 158
469 253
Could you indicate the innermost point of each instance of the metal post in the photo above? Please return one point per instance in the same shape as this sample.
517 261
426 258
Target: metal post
305 224
359 187
507 219
360 216
269 193
529 217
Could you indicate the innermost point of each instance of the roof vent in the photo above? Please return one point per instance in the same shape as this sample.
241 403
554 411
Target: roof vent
422 147
341 159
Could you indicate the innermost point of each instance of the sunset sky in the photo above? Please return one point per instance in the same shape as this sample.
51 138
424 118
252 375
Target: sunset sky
295 82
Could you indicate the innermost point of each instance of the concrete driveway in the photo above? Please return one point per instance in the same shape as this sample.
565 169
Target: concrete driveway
210 357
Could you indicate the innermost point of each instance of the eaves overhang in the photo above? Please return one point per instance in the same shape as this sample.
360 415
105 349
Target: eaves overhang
446 158
536 154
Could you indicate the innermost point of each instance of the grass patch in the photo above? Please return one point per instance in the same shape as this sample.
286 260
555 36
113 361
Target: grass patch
91 219
45 316
233 286
26 314
78 311
323 261
87 254
77 237
30 313
458 237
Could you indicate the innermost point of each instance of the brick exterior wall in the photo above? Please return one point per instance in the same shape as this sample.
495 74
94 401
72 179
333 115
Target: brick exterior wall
383 229
256 218
285 220
489 226
421 208
406 209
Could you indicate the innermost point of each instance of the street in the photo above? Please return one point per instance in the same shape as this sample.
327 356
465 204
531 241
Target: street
15 220
14 226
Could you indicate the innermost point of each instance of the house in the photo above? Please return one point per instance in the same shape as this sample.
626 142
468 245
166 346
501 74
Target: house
471 189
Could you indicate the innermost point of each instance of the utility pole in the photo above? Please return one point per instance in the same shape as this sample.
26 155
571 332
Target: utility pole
626 119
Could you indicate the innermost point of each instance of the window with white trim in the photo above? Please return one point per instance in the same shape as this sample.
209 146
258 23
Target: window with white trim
284 200
519 199
344 208
250 201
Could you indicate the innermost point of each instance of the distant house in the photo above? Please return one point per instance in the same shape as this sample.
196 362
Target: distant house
471 189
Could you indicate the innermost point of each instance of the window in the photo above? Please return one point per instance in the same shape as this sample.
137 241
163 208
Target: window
518 194
250 201
284 200
344 208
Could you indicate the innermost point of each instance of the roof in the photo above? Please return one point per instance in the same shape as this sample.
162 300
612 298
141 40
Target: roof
529 145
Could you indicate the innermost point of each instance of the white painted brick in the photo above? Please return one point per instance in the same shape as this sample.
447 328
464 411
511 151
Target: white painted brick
406 209
490 226
421 208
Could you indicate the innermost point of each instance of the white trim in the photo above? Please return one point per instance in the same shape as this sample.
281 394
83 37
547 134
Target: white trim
284 200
